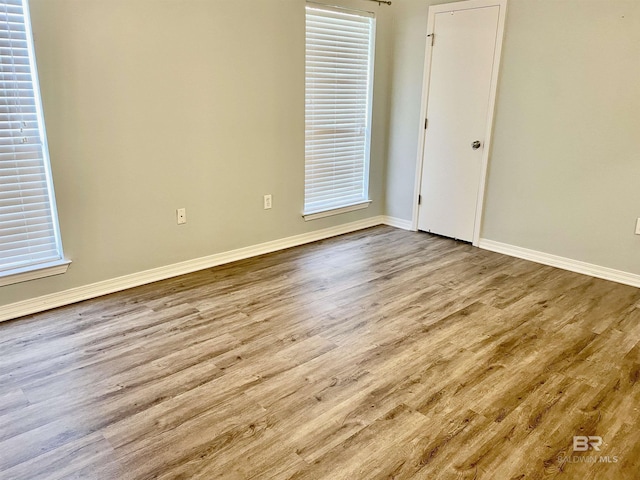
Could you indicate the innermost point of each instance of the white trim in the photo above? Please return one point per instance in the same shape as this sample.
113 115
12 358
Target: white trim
335 211
397 222
433 10
486 148
577 266
34 272
54 300
426 77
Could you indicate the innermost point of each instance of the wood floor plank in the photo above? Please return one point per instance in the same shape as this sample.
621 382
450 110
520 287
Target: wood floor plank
375 355
105 401
12 400
359 455
75 459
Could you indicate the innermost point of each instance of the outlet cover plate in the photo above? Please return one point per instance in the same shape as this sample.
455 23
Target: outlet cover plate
181 216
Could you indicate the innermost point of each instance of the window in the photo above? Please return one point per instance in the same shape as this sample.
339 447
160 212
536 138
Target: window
30 245
338 93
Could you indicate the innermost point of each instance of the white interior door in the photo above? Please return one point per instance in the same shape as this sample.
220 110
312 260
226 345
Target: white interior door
458 105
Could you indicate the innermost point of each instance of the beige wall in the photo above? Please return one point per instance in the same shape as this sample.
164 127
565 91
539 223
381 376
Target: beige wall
157 104
564 173
152 105
565 167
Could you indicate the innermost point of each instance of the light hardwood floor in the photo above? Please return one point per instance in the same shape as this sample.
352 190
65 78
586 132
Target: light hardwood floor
379 354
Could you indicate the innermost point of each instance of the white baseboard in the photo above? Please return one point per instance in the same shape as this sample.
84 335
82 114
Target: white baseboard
397 222
562 262
59 299
66 297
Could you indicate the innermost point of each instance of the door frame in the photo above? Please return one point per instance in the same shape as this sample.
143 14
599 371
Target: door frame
448 7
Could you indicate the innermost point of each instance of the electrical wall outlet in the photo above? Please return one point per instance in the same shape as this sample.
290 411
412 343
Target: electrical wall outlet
181 215
638 226
267 202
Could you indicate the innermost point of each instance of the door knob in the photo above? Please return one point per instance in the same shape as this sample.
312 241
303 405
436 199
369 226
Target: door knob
476 145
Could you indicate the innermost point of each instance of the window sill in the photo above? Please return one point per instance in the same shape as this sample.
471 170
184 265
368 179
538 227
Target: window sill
33 272
335 211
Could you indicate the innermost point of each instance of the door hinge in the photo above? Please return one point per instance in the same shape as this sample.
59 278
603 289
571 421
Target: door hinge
426 122
432 36
419 199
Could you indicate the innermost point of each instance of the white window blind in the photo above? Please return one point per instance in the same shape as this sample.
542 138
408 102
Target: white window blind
28 224
338 81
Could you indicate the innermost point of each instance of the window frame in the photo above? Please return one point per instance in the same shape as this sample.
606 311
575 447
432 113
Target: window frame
365 201
32 271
